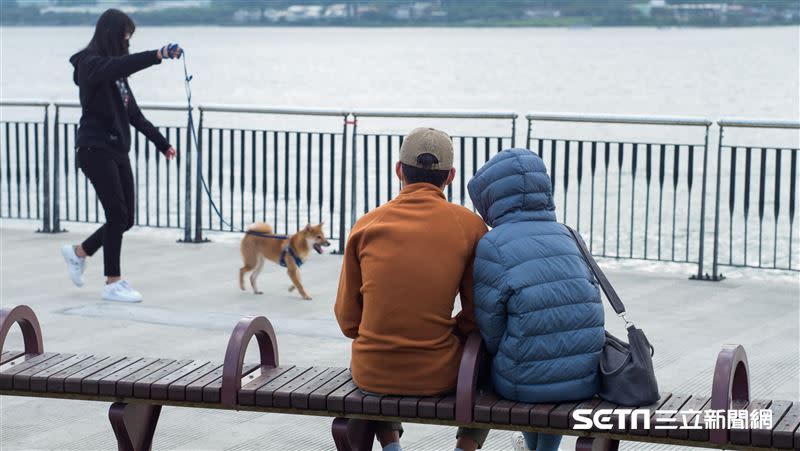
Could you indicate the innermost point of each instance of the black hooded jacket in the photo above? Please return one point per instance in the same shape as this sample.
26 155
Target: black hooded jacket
108 107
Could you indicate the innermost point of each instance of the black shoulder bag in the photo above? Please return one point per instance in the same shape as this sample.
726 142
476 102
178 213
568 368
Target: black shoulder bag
626 369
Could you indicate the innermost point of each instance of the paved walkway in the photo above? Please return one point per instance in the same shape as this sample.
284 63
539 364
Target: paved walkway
192 302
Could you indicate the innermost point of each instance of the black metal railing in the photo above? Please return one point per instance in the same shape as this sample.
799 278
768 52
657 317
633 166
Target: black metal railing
643 198
160 183
631 199
372 178
25 164
756 201
286 178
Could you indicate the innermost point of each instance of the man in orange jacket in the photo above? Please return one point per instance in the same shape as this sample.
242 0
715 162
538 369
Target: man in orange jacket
403 266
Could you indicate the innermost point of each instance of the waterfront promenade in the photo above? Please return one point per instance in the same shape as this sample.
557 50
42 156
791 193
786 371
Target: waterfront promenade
192 302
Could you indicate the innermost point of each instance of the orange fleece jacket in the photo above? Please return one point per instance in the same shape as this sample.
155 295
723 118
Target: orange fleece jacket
403 265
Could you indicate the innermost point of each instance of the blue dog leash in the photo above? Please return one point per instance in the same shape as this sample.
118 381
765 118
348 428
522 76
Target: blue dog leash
187 83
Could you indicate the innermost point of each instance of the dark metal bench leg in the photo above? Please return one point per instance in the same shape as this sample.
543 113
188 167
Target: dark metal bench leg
596 444
352 435
134 425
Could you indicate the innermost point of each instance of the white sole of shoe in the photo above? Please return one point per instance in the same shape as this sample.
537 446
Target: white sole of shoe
125 301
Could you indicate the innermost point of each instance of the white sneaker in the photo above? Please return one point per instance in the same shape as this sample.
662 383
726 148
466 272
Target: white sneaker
120 291
75 264
518 442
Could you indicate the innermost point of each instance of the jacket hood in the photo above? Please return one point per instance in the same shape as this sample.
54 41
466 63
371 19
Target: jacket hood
75 60
512 187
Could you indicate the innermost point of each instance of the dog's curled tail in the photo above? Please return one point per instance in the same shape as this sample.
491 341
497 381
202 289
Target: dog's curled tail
260 227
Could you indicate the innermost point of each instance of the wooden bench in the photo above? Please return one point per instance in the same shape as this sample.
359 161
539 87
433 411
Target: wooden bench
137 388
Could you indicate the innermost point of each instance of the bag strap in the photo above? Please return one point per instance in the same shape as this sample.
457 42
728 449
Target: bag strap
611 294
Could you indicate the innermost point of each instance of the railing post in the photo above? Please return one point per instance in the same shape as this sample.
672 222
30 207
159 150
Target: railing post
528 134
343 189
353 175
715 257
56 189
514 131
46 219
199 192
699 275
187 195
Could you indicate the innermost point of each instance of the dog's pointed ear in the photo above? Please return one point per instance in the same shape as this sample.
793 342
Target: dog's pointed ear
308 227
321 224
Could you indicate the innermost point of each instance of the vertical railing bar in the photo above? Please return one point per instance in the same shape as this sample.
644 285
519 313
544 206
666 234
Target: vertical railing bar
343 182
701 258
321 183
264 144
761 189
36 169
792 198
353 177
463 170
647 175
389 167
309 145
18 170
253 181
689 182
620 158
56 171
242 172
365 144
77 170
634 158
66 169
777 207
580 185
675 177
157 159
275 176
331 181
378 170
298 163
232 175
27 171
593 163
662 158
746 198
287 162
46 218
731 200
147 180
169 179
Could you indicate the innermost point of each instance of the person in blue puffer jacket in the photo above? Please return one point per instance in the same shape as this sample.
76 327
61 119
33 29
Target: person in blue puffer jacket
536 302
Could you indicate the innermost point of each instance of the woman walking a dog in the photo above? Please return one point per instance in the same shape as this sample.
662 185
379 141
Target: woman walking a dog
108 109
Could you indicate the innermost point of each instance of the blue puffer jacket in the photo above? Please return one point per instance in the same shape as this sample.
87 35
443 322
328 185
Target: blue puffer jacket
536 302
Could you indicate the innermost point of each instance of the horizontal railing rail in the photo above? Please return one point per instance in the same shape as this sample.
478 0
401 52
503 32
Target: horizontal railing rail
618 119
151 106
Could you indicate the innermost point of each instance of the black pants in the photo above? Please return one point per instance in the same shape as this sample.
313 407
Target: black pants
111 175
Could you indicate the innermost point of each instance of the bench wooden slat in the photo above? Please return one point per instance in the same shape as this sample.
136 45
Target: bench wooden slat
7 375
300 396
446 408
335 400
354 402
676 402
639 430
521 414
39 381
22 380
590 404
318 399
142 387
763 437
125 385
177 383
482 409
264 394
57 383
247 394
426 408
193 391
371 404
783 433
8 356
559 417
107 385
282 397
407 407
88 383
742 436
212 390
604 405
540 414
390 405
501 411
698 403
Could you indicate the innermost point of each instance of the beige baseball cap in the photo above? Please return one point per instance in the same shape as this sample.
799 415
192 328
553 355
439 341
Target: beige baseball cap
427 140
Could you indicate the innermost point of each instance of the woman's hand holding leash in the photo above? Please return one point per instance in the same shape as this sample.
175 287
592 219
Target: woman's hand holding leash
170 153
171 51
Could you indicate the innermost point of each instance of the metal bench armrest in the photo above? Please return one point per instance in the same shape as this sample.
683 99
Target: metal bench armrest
31 332
234 355
466 388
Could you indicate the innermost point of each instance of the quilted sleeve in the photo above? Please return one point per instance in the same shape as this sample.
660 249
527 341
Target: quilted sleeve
491 294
